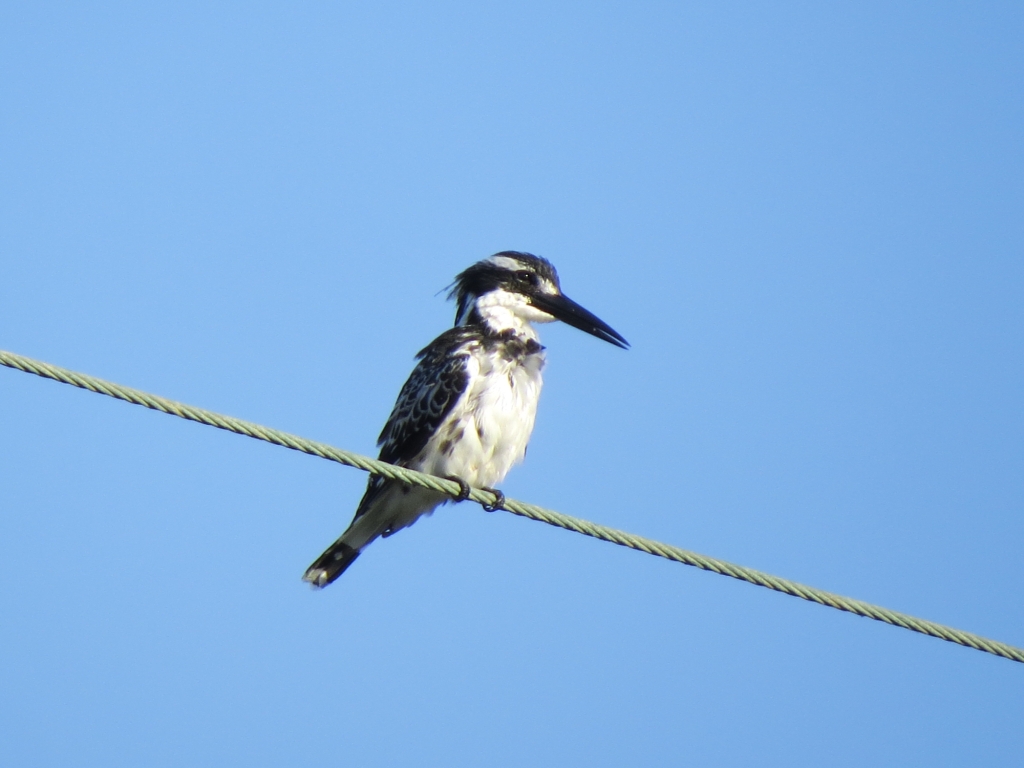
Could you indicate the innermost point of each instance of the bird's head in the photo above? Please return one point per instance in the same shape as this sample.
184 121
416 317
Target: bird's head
510 290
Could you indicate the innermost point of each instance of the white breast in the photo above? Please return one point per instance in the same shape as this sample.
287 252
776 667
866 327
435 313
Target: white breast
489 429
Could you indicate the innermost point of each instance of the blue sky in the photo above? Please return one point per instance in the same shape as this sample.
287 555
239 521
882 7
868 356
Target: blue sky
806 218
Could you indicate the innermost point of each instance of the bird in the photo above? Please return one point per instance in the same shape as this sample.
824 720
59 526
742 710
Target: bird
468 408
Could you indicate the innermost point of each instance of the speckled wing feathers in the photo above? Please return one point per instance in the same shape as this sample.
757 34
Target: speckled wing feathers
432 390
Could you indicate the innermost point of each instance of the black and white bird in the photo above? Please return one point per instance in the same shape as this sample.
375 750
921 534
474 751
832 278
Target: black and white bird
467 410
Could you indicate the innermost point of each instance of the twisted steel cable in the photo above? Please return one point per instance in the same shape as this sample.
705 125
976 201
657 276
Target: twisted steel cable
451 488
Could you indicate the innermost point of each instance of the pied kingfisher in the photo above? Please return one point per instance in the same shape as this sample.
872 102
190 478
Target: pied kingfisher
467 410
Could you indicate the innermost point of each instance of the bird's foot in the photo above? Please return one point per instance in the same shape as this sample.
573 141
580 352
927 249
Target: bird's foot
499 500
463 488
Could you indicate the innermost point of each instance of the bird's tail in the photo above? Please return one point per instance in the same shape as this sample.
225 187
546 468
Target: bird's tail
387 507
331 564
364 528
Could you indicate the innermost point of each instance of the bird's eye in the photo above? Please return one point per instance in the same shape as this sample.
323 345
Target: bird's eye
527 277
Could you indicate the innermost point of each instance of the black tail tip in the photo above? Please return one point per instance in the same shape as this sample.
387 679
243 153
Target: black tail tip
330 565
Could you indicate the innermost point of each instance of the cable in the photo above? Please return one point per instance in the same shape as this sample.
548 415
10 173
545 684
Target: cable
451 488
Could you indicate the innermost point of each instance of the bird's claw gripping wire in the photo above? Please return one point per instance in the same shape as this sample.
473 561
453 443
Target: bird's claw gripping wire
464 491
463 488
499 500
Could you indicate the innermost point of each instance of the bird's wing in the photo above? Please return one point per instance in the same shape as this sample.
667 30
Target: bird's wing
436 384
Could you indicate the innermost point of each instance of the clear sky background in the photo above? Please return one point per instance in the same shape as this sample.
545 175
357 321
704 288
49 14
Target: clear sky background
806 218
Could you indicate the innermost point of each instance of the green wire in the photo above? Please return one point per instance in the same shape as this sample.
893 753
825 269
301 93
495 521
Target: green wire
530 511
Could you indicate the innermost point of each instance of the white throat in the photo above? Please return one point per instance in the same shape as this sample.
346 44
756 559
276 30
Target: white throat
503 311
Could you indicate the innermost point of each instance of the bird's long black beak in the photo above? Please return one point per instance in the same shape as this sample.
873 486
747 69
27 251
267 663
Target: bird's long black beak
569 312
